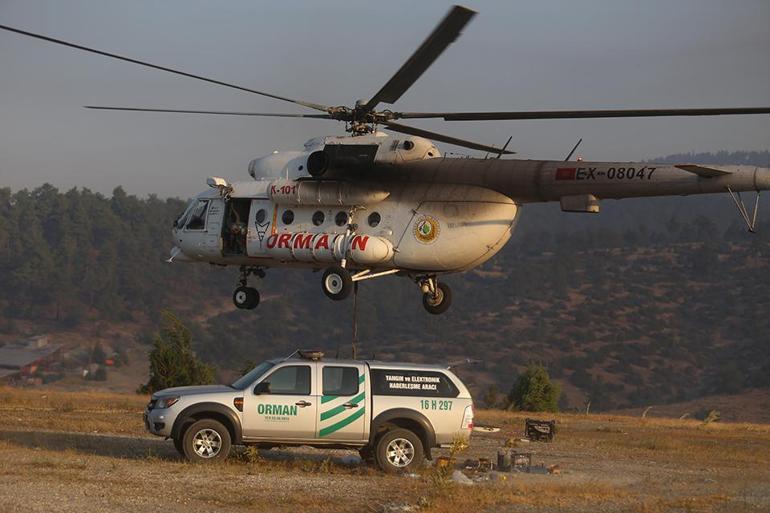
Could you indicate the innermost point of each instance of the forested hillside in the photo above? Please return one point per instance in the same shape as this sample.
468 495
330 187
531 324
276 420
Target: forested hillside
652 300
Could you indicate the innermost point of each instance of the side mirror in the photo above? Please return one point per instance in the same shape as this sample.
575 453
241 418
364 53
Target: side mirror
262 388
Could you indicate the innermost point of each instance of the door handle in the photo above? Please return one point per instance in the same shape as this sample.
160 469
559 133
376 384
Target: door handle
302 404
350 405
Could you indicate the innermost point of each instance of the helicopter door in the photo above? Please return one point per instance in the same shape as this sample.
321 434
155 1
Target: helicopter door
235 228
261 226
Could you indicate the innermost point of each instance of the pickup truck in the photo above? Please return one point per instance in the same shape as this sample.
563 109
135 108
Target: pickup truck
392 413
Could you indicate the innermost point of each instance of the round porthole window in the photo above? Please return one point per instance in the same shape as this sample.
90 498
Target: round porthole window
374 219
341 219
318 218
260 217
287 217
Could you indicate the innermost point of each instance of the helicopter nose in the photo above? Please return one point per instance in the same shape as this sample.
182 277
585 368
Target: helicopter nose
177 255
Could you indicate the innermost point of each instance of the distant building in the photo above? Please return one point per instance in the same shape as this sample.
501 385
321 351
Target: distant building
20 361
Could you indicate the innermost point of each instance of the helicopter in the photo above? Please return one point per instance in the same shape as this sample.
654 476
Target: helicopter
372 204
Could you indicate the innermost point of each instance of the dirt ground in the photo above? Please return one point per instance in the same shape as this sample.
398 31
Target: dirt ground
87 452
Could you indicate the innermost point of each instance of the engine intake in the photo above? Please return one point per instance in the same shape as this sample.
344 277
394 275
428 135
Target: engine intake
340 157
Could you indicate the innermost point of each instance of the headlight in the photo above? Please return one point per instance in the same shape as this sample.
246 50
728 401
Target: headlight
166 402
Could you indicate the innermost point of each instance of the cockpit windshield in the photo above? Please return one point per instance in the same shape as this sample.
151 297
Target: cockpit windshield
182 219
251 376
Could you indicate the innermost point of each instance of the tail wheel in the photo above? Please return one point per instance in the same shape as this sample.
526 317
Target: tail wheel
439 301
206 441
399 450
246 298
337 283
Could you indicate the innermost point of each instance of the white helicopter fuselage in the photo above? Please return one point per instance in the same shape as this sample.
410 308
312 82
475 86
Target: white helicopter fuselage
367 206
285 220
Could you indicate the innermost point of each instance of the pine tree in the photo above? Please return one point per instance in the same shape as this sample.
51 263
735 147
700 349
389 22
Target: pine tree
534 391
172 361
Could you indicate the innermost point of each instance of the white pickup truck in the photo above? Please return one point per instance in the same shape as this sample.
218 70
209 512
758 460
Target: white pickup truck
392 413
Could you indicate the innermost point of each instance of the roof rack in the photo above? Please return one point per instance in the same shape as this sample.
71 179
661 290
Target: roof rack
308 354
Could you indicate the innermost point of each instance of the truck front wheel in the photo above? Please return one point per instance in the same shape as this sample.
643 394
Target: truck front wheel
206 441
399 450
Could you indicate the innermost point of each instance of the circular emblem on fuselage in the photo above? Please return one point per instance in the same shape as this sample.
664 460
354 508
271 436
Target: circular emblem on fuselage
426 229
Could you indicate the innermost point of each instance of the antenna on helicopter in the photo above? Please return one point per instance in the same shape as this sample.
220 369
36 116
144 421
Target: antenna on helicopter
573 149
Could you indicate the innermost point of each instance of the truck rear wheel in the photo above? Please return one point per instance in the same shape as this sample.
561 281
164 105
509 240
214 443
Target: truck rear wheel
399 450
206 441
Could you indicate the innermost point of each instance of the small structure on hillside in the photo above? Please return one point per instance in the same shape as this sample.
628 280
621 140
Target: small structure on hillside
25 361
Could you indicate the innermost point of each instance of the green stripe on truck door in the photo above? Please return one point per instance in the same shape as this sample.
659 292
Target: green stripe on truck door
341 424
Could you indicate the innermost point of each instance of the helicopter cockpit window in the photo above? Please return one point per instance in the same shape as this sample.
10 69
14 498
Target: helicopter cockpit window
182 219
287 217
198 216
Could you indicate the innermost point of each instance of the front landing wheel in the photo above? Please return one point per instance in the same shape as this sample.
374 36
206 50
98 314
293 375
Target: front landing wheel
337 283
246 298
439 301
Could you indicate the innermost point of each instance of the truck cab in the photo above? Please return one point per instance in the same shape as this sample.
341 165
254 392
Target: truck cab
392 413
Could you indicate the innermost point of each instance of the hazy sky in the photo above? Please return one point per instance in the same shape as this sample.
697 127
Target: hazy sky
514 55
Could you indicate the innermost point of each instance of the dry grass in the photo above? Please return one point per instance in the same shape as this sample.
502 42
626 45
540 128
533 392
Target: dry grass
610 463
41 408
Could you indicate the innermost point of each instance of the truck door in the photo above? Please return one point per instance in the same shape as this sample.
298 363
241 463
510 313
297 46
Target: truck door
343 402
282 405
261 226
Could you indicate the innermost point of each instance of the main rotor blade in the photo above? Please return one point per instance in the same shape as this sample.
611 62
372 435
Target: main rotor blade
311 105
442 36
396 127
222 112
581 114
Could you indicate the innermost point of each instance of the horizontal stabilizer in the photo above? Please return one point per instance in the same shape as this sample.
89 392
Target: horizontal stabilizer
702 171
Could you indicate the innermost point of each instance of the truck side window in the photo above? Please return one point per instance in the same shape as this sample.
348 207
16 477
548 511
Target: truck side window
291 380
198 216
340 381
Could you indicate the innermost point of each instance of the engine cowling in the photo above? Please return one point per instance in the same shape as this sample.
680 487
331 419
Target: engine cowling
341 158
311 192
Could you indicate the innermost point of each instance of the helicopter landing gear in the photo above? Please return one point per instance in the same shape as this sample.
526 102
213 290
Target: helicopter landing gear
337 283
245 297
436 297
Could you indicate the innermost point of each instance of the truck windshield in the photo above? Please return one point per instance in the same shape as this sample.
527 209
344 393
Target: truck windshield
251 376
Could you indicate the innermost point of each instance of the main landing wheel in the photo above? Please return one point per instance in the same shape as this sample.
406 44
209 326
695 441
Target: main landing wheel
439 301
337 283
246 298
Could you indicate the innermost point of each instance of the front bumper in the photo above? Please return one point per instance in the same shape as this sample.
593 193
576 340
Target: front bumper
158 422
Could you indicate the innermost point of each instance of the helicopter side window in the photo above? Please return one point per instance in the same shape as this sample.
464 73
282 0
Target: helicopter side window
341 219
198 216
261 215
374 219
318 218
287 217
